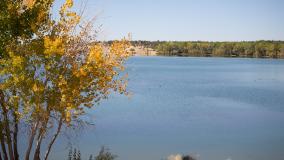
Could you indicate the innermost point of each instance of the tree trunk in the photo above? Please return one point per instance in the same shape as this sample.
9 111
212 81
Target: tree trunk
5 156
9 142
6 125
0 156
15 137
38 145
53 139
31 140
41 136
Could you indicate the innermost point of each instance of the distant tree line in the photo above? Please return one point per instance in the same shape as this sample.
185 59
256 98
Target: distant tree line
252 49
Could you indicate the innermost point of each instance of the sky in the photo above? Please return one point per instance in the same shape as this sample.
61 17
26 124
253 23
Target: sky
186 20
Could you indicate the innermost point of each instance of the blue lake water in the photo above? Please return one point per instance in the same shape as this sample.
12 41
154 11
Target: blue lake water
213 108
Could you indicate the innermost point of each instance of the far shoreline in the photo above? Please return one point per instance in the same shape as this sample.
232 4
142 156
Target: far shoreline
196 57
242 49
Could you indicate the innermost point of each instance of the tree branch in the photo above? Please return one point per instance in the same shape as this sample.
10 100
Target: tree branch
41 135
54 138
38 143
31 140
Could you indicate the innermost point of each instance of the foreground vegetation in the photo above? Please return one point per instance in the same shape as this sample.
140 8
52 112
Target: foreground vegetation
251 49
51 72
105 154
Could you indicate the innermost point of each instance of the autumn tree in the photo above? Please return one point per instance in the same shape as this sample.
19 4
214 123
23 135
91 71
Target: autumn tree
281 51
51 71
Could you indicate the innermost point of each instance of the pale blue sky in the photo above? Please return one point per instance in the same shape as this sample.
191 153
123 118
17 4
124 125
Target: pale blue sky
210 20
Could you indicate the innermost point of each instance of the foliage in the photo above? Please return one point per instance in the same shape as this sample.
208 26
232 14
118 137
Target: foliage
188 157
51 71
104 154
21 19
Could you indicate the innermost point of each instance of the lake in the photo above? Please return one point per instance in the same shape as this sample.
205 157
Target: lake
212 108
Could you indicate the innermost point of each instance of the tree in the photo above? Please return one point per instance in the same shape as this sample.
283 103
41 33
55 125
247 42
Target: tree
79 155
70 154
220 50
249 49
260 50
50 73
281 51
105 154
238 49
75 154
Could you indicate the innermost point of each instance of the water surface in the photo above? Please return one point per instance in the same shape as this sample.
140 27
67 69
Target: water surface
213 108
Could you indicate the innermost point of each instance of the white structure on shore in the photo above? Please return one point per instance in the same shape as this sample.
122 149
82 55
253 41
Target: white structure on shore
175 157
